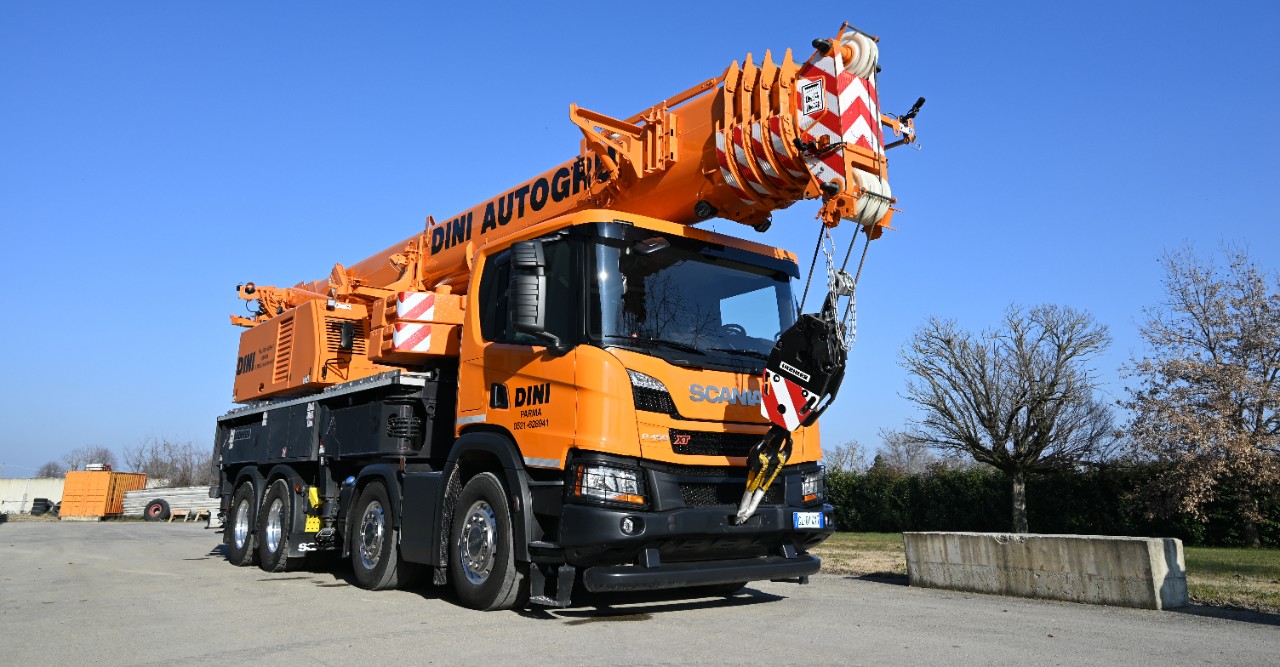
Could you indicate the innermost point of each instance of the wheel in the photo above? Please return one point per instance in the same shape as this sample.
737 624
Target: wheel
375 551
482 560
733 330
156 510
241 549
275 522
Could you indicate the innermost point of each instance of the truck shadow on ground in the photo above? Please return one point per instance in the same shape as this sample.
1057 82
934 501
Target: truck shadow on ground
642 606
587 607
890 578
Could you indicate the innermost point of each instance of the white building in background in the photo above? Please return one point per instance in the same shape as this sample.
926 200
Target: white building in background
16 494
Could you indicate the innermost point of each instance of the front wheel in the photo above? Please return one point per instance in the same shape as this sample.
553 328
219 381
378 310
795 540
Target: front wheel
375 551
481 556
241 548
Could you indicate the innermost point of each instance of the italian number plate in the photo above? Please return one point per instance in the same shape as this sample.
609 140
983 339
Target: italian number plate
807 519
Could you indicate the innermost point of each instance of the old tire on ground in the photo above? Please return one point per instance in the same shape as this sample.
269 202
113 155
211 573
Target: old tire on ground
156 510
275 523
241 546
375 543
482 561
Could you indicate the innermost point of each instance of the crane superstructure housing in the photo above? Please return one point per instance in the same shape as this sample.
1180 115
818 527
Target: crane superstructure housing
562 382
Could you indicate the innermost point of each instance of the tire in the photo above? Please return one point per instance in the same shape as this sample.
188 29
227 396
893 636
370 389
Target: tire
375 543
482 560
156 510
275 523
57 509
241 541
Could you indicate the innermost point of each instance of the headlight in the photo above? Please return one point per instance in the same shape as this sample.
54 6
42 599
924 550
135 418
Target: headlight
815 486
609 483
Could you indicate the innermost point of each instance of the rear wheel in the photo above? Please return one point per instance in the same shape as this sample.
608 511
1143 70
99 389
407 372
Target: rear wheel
156 510
375 554
241 549
275 522
481 555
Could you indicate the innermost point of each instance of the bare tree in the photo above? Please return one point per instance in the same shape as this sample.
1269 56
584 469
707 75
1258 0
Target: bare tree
1019 398
905 454
1207 403
51 469
79 457
172 463
849 457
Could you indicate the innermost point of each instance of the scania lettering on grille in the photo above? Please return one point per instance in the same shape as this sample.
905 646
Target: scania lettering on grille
700 393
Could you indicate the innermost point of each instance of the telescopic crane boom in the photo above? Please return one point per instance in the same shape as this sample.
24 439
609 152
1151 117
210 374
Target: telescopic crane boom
739 146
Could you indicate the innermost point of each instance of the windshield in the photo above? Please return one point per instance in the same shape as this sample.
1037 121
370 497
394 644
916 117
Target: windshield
678 299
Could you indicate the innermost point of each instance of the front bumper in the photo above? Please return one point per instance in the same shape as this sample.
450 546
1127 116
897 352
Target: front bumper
688 547
702 573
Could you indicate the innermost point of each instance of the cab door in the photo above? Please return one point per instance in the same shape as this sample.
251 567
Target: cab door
515 380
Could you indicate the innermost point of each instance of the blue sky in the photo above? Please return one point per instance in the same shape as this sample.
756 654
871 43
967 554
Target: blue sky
152 155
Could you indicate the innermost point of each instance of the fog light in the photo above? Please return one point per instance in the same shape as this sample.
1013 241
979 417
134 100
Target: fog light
632 526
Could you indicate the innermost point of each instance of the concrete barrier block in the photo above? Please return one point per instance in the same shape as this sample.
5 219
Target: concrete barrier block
1143 572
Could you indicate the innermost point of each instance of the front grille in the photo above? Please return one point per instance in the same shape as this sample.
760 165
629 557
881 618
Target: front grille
706 443
652 400
725 495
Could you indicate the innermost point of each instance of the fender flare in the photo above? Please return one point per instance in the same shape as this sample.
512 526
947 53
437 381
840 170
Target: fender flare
502 447
297 508
389 475
251 474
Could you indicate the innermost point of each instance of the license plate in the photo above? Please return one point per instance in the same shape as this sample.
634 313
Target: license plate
807 519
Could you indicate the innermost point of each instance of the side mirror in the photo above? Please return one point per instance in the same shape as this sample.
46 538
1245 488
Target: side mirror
528 293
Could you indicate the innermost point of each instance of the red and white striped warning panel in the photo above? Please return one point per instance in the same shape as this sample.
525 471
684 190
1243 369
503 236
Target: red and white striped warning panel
415 306
838 101
783 402
428 307
412 337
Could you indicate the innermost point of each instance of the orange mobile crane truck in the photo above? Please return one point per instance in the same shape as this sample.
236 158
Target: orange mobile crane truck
570 381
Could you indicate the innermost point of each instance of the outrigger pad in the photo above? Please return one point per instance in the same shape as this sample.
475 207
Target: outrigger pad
804 371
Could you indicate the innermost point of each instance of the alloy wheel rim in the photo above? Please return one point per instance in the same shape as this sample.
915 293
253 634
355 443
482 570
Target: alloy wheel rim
477 542
241 530
372 527
274 525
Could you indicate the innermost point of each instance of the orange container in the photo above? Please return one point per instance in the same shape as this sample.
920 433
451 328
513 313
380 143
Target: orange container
98 493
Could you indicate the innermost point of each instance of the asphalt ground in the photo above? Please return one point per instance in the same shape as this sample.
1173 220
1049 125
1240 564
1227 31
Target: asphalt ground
132 593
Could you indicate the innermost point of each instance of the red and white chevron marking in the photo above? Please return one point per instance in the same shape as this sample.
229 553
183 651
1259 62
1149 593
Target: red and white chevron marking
781 149
747 162
415 306
412 337
764 156
783 402
860 114
726 170
849 113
